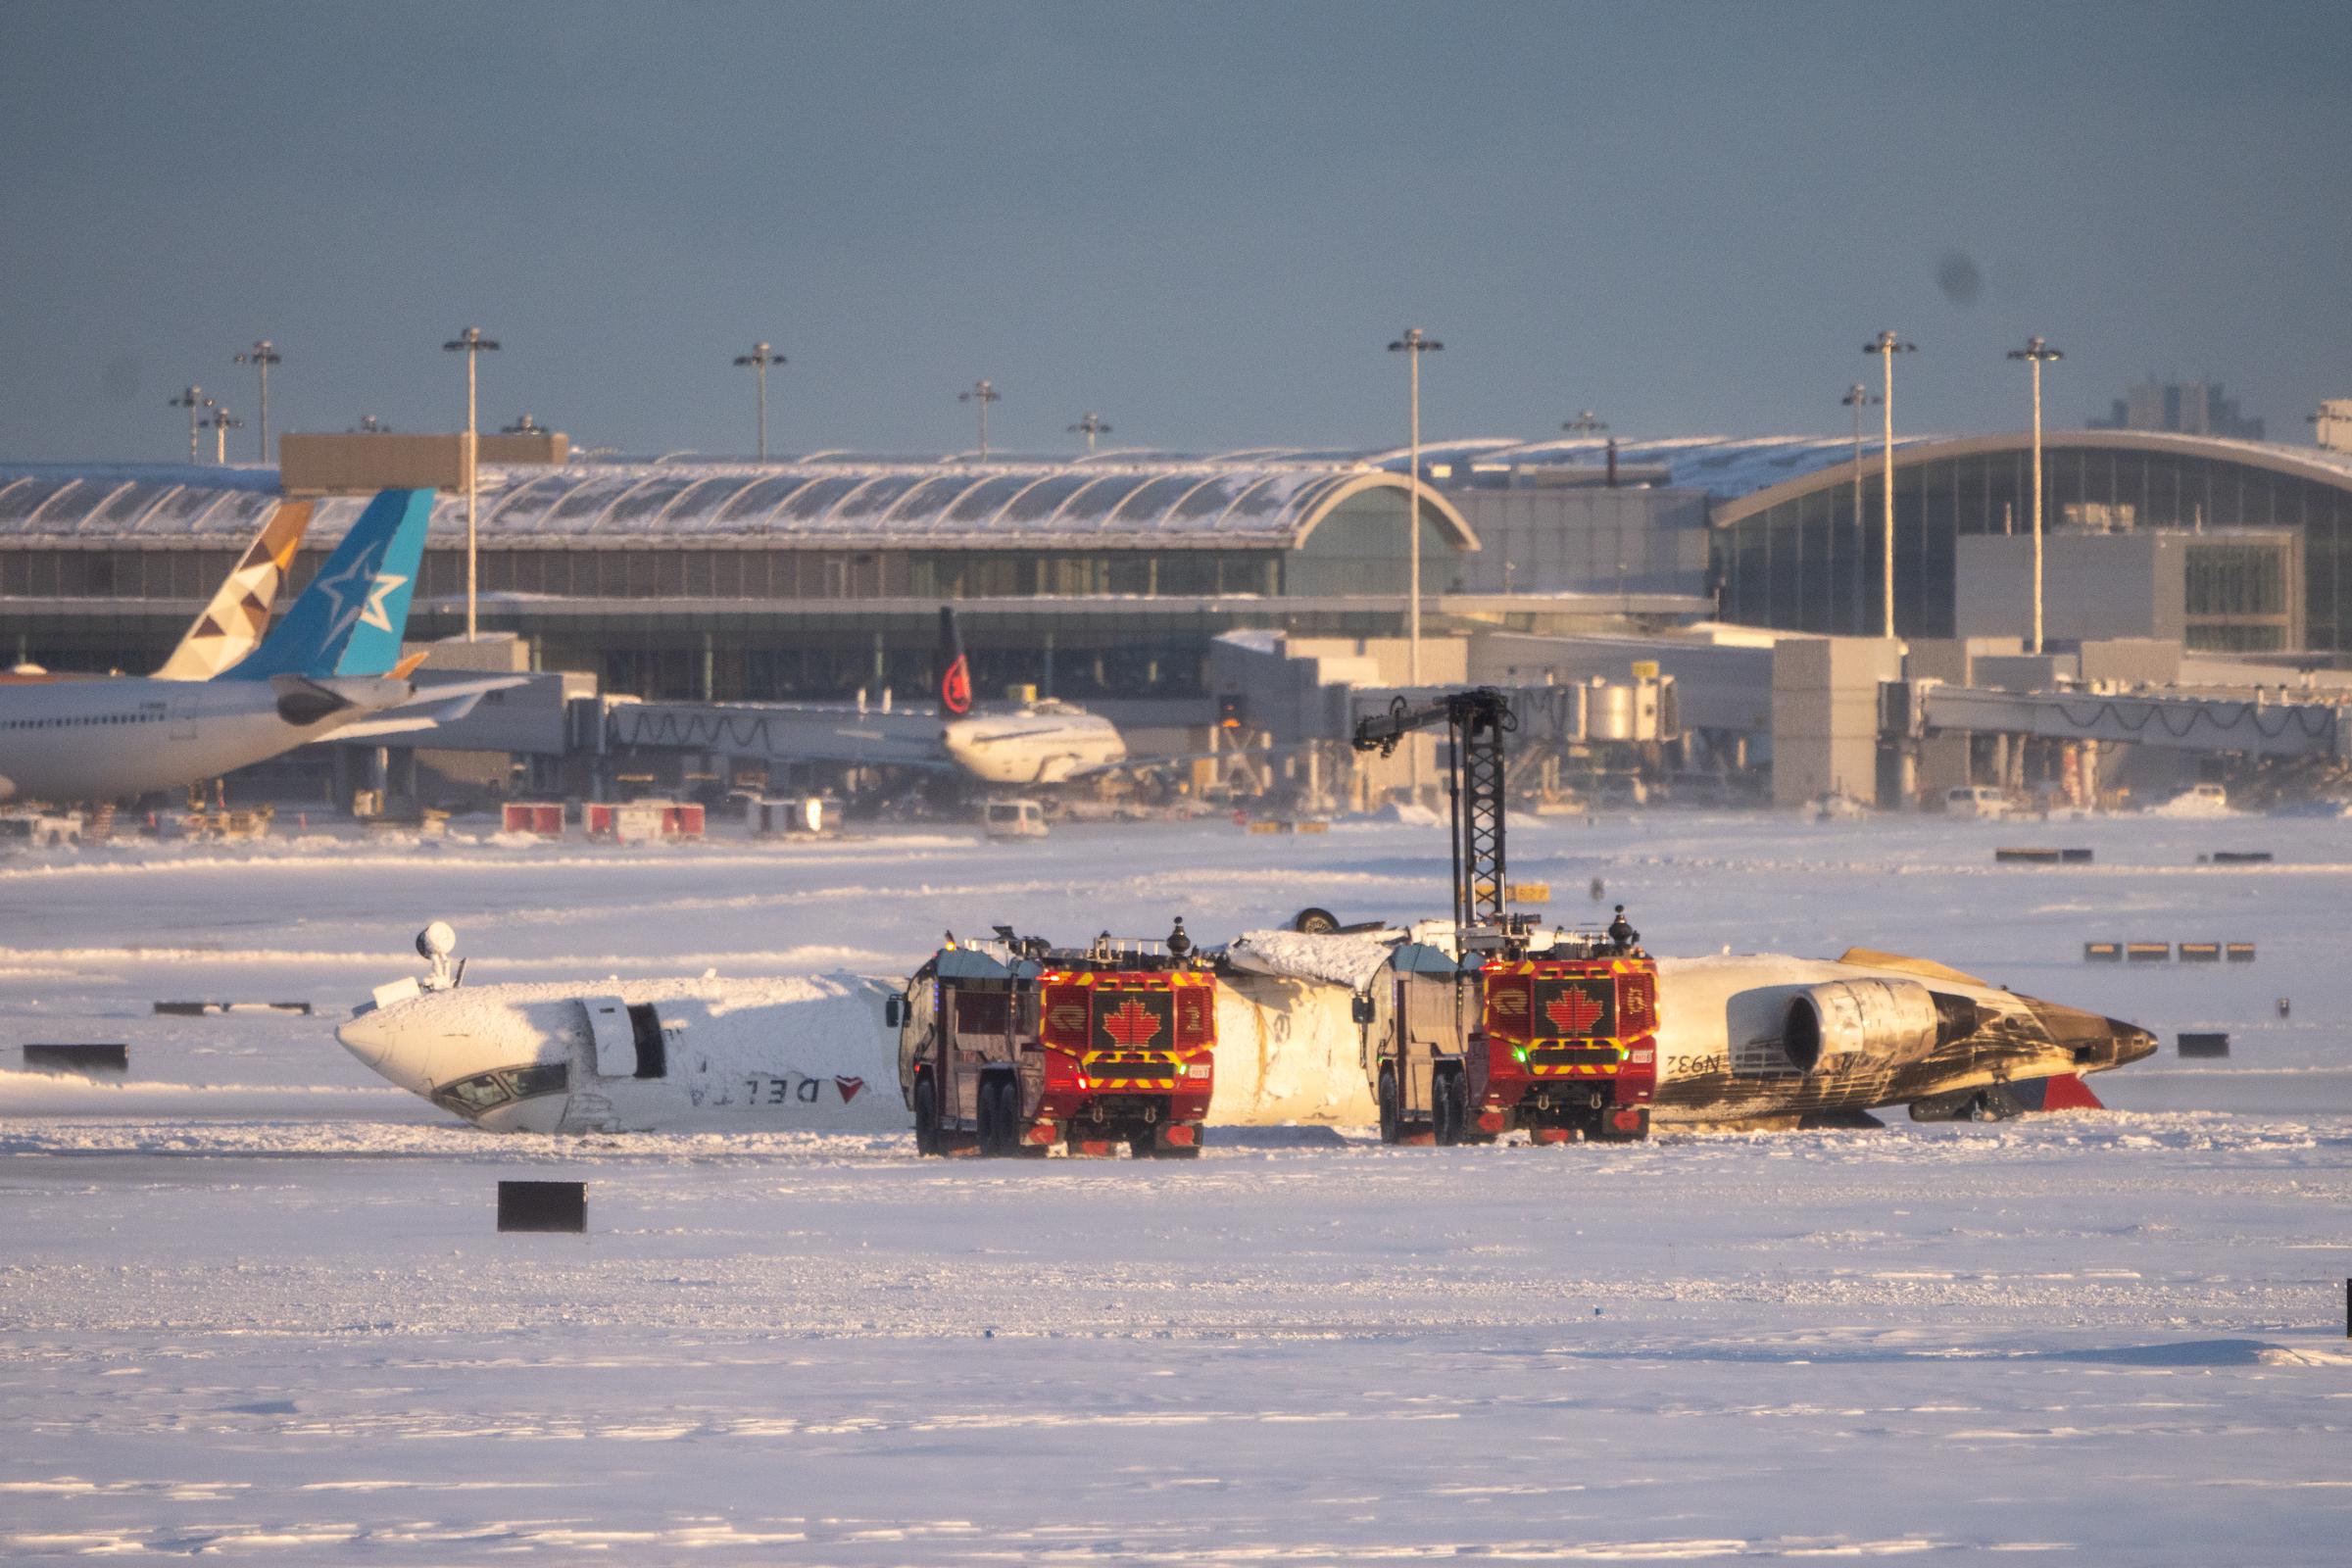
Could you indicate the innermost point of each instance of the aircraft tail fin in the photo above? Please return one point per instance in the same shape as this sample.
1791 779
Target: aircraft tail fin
233 623
955 677
349 620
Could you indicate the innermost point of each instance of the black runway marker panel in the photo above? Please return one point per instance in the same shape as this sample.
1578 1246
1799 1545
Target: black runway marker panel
543 1206
82 1058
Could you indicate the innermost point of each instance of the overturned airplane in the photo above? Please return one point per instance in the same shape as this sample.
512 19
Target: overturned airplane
1754 1042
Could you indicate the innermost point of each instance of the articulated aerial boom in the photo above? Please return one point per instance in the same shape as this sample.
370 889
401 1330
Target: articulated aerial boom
1479 719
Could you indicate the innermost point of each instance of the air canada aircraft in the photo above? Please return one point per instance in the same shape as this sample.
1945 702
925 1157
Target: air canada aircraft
1042 741
1757 1042
232 625
332 666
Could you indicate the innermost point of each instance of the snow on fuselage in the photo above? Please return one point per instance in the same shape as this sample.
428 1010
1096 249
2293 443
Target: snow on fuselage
814 1052
806 1052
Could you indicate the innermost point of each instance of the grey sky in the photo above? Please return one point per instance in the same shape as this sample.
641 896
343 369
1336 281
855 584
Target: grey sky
1204 221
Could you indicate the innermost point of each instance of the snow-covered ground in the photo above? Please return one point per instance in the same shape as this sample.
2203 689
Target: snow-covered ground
252 1304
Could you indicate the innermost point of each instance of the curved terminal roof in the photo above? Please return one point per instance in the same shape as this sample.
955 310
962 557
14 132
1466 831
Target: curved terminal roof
2306 462
1267 497
1195 503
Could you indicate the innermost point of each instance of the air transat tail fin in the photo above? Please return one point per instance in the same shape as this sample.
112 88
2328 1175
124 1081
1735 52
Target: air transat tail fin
349 620
956 678
232 624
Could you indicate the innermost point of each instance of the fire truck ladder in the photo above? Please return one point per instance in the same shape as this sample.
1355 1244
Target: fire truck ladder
1478 719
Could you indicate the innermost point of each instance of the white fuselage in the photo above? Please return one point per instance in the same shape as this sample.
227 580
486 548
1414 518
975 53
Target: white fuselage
86 740
1045 743
815 1054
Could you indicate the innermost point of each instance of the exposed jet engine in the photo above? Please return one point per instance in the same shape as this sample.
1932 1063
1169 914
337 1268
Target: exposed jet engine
1855 1023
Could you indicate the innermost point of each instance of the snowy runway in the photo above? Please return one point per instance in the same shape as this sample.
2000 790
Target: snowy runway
252 1304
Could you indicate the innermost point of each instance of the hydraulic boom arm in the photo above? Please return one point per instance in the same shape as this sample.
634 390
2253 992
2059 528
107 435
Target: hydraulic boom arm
1478 720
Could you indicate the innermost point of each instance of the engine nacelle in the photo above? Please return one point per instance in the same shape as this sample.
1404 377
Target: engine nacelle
1886 1023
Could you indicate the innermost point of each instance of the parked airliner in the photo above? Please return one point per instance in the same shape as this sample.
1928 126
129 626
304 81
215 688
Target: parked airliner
331 667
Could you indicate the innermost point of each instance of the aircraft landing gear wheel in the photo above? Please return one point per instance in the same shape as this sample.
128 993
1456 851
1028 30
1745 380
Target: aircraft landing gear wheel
926 1117
1389 1129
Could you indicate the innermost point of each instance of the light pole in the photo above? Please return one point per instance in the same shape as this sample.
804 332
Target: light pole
763 356
1090 425
220 425
1412 346
1585 423
191 400
261 357
1858 397
984 393
1887 346
2035 351
473 346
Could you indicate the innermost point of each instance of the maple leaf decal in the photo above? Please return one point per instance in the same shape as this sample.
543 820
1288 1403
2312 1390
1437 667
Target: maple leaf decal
1574 1012
1133 1025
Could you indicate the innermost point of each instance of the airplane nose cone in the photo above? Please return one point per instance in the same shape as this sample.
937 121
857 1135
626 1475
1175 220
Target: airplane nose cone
387 1047
366 1038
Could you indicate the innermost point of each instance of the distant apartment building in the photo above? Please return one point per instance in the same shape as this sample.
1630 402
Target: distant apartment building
2185 407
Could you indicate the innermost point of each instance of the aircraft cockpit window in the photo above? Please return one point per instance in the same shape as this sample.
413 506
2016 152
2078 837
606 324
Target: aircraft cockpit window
484 1091
645 1027
471 1097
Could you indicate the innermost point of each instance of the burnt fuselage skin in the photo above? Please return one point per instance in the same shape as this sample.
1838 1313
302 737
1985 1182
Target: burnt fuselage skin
1725 1048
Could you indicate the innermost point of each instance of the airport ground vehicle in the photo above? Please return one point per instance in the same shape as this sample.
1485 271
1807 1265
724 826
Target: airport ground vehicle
1013 819
1550 1033
38 829
1976 800
1012 1047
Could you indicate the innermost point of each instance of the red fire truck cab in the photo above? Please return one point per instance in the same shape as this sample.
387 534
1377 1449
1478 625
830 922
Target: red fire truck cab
1560 1043
1010 1047
1569 1041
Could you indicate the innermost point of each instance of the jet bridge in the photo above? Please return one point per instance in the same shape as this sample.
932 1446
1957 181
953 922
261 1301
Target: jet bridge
778 732
2170 719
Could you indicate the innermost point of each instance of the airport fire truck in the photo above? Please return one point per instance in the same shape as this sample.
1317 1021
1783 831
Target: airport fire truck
1012 1047
1553 1032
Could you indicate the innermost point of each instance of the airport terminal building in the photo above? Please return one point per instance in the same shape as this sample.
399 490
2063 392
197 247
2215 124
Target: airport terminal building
1107 580
1095 580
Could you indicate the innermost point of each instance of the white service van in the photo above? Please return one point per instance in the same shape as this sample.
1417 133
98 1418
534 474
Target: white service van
1013 819
1976 800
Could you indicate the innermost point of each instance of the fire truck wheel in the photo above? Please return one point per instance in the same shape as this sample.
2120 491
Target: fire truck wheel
926 1115
1445 1107
994 1138
1008 1117
1391 1129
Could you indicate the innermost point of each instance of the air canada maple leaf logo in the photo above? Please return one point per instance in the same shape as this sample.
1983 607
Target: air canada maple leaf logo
1066 1015
1573 1012
1133 1025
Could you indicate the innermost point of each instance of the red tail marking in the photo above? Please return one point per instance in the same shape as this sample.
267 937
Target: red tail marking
955 687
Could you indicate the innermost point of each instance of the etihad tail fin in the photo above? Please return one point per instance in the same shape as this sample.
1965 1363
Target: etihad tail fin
232 624
955 677
349 620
